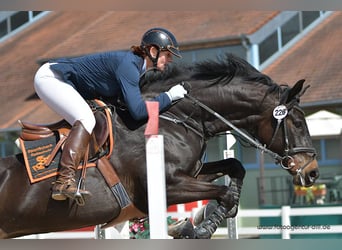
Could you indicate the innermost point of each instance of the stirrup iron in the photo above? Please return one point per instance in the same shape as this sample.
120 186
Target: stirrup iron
78 195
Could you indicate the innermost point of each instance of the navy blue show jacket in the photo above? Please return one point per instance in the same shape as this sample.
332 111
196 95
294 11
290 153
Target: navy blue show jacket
108 75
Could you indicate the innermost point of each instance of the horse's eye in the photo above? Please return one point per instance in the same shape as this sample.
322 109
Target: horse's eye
298 124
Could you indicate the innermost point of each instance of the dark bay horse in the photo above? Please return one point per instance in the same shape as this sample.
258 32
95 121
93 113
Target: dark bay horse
231 87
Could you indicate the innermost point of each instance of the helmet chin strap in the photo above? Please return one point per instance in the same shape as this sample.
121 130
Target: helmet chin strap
153 59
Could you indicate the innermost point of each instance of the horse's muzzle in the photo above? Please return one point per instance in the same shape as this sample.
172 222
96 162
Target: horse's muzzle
306 176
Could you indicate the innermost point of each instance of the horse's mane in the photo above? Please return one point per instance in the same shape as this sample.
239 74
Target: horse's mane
225 67
230 66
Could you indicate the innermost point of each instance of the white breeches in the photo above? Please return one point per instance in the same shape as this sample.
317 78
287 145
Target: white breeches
63 98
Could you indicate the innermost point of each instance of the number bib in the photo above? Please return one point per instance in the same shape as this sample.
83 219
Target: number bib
280 112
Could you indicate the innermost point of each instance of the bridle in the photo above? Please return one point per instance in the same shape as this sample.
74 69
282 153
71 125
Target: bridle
280 113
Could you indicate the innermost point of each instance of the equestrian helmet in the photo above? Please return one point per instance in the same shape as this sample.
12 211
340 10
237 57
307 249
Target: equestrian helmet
162 39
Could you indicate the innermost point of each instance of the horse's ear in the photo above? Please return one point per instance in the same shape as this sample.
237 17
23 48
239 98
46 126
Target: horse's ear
295 90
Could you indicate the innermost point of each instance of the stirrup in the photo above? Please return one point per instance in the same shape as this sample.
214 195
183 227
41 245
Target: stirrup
79 197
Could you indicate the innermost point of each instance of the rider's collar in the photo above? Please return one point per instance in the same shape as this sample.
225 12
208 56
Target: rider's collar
144 66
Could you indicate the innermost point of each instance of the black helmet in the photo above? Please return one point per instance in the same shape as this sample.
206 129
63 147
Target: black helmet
162 39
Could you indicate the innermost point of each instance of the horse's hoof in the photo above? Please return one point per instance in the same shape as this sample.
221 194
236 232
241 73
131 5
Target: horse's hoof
203 213
182 229
202 233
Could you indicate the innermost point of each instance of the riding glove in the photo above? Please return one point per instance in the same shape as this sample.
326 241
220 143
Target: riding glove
176 92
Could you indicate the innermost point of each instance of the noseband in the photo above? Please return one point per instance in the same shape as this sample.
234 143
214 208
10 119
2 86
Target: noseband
280 113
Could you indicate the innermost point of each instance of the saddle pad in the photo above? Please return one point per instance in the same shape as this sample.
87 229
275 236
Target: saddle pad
36 154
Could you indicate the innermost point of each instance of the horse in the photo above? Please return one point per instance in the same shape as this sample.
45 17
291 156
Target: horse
242 99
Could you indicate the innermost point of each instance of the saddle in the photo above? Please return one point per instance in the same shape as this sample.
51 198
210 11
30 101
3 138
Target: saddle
42 145
101 137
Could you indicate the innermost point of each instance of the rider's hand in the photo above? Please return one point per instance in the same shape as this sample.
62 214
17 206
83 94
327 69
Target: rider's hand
176 92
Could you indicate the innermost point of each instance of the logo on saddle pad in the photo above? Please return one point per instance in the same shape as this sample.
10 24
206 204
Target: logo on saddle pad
36 154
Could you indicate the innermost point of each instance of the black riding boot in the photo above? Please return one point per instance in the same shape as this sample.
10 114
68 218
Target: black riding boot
73 152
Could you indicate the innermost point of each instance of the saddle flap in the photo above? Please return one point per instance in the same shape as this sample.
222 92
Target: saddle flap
101 129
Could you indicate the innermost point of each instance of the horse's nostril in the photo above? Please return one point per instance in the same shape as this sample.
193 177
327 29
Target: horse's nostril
314 174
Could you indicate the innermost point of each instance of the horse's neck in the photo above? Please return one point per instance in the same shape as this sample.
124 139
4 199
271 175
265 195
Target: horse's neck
244 106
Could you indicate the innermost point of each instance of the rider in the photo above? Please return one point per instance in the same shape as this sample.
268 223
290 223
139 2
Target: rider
65 83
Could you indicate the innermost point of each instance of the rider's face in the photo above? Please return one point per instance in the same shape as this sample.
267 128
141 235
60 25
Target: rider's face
164 58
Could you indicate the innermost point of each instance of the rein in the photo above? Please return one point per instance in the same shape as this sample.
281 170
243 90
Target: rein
236 129
263 148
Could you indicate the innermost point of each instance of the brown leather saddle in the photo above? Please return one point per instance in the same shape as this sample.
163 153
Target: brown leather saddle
100 144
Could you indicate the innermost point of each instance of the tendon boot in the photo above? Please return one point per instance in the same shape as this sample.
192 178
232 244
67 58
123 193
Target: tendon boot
235 186
73 152
207 228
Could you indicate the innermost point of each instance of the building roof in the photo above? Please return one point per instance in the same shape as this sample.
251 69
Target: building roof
75 33
317 58
323 123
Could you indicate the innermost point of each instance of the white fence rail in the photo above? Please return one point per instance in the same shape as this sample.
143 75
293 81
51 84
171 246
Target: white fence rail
286 229
61 235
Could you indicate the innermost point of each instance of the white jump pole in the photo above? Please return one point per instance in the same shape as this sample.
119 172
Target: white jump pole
155 174
231 222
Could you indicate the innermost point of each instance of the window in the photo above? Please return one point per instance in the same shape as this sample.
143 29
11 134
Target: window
284 32
268 47
11 22
36 13
19 19
317 146
3 28
309 17
289 30
328 151
333 149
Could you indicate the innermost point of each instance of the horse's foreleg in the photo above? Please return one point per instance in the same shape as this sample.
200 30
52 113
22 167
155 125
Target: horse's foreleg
231 167
213 170
209 225
235 188
209 172
185 230
185 189
228 197
188 189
